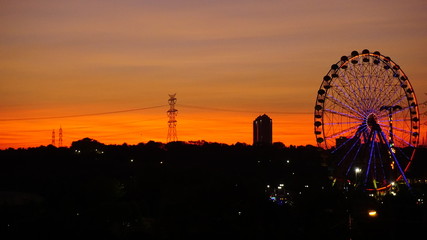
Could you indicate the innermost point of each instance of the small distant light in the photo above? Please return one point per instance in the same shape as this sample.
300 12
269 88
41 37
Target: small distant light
306 186
372 213
240 213
268 186
77 214
287 161
131 160
282 185
161 162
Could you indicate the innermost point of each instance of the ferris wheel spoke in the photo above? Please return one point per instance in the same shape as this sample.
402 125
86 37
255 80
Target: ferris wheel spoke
355 137
345 106
342 123
341 132
407 120
371 151
391 152
395 102
404 154
397 128
343 114
392 97
394 113
401 140
354 144
357 86
381 162
348 94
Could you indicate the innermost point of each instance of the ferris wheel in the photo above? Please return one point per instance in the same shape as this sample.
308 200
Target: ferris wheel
366 114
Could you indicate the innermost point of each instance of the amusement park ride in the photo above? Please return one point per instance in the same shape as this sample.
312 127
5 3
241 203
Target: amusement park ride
366 115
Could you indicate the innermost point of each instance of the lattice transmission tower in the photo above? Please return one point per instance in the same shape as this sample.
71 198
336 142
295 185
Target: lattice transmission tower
60 137
53 137
172 112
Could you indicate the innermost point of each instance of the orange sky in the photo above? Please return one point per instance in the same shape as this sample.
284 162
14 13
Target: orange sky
62 58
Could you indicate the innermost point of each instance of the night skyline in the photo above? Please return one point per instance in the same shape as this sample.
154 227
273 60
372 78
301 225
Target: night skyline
227 61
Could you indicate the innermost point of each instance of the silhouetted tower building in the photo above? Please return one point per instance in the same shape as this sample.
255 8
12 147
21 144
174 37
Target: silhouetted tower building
263 130
172 112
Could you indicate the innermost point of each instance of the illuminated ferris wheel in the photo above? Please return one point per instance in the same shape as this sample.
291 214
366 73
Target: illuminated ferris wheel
366 113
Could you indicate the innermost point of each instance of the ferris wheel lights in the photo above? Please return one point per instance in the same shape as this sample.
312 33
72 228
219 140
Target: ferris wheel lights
348 105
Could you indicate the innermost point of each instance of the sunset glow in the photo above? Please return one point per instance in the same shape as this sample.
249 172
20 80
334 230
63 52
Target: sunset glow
88 66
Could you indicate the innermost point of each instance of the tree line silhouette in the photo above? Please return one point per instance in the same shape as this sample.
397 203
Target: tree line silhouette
183 190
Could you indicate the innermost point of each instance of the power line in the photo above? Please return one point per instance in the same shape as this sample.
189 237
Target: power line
237 111
80 115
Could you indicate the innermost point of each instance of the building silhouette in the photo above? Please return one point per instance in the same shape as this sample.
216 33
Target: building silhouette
263 130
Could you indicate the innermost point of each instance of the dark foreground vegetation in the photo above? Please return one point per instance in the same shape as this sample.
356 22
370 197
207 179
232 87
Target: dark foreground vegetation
195 190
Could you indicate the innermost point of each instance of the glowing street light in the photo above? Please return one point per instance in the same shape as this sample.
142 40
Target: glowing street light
372 213
357 171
